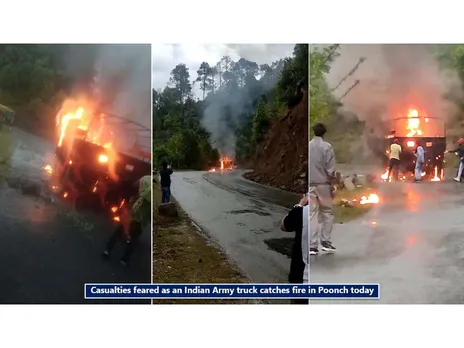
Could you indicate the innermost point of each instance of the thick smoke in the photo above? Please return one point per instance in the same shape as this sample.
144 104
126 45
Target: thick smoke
223 112
120 74
392 79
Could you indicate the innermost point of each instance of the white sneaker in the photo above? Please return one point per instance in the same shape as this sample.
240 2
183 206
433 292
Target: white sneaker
457 179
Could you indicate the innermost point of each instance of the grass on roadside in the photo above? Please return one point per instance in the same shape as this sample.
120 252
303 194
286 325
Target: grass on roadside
348 213
183 254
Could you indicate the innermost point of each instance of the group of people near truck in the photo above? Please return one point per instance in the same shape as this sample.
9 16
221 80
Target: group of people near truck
394 162
395 153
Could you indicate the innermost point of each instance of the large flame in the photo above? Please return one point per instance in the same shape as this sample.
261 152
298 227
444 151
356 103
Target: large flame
413 125
74 118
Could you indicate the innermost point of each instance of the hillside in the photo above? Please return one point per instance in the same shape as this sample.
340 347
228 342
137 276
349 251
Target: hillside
282 158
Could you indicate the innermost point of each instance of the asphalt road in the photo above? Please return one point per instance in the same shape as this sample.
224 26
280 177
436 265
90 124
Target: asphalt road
412 243
48 251
242 217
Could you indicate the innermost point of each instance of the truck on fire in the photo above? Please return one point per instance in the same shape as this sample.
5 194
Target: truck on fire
408 130
98 158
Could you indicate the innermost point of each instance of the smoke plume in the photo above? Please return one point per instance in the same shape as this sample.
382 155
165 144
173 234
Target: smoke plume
119 73
392 79
224 111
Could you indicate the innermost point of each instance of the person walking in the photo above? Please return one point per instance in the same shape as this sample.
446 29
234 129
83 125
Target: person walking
394 163
321 191
297 221
420 160
134 219
460 152
165 176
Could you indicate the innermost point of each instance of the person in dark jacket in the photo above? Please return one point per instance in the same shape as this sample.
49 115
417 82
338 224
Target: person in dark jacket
297 220
460 152
165 182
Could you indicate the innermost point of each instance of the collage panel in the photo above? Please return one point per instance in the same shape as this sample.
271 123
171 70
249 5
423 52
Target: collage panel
75 147
392 140
230 156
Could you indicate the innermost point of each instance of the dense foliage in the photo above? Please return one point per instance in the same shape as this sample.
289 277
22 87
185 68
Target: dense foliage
322 101
238 102
31 81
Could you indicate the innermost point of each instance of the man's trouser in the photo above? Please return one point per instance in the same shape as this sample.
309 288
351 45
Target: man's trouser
393 165
461 167
296 276
166 194
321 214
135 230
418 170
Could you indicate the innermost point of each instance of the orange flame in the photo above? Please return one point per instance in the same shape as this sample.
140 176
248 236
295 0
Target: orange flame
371 199
65 122
413 123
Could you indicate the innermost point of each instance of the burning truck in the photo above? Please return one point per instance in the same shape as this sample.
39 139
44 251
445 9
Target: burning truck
410 129
226 163
98 158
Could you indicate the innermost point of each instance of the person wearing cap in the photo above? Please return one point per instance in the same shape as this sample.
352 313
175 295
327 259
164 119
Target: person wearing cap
460 152
394 163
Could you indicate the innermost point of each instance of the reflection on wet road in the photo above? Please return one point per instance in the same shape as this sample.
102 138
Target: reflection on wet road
412 243
48 252
242 217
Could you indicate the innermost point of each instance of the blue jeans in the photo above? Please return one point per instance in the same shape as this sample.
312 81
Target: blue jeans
166 194
418 170
461 167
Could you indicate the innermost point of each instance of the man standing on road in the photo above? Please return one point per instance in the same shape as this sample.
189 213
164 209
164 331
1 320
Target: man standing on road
165 175
420 160
321 191
297 221
460 152
393 165
135 218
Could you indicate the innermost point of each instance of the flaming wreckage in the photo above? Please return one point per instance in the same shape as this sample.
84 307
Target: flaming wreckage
226 164
430 131
98 158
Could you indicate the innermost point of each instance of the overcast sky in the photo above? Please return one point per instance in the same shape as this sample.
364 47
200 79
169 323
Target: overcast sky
166 57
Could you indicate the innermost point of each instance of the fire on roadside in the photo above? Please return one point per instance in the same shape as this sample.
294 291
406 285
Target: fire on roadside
372 198
225 164
435 177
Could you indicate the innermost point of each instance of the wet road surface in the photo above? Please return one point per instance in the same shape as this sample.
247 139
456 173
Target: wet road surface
242 217
412 243
47 251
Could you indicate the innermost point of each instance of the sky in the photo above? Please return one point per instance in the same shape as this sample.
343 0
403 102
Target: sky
166 56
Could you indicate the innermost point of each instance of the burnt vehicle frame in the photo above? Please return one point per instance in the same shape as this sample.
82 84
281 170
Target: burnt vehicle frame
434 147
81 170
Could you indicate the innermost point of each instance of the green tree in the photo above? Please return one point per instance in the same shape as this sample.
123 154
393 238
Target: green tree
180 79
206 78
322 102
